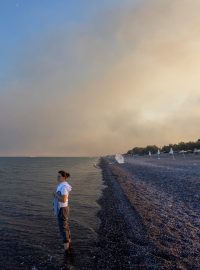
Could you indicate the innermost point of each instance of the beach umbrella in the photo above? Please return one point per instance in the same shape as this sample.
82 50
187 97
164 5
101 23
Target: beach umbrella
171 152
119 158
183 152
196 151
158 154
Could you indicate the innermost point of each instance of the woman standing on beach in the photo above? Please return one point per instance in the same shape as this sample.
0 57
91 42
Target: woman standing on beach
61 208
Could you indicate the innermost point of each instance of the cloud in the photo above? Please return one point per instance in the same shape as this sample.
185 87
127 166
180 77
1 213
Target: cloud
129 77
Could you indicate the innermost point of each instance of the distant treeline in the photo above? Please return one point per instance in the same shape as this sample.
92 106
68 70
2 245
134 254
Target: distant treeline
189 146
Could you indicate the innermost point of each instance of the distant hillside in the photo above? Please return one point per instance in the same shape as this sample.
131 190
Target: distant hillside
188 146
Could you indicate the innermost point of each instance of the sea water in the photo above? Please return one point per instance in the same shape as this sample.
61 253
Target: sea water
29 235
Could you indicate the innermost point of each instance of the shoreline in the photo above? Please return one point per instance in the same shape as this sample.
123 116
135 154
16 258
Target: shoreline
135 235
123 241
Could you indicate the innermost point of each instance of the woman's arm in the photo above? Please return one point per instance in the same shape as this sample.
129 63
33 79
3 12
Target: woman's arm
61 198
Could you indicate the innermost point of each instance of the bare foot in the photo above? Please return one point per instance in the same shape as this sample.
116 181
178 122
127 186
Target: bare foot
66 246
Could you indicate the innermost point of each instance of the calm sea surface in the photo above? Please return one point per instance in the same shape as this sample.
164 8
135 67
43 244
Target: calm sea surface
29 236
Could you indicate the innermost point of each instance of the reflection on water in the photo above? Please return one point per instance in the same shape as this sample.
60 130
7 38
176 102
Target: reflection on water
29 233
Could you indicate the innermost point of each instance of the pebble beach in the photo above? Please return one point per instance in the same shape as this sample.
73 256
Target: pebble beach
150 213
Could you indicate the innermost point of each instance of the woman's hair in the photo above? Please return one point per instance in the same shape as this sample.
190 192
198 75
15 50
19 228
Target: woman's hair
64 174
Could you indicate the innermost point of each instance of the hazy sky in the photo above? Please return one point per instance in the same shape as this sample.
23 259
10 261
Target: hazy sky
80 77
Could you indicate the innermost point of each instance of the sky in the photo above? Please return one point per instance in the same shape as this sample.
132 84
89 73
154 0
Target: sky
91 78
